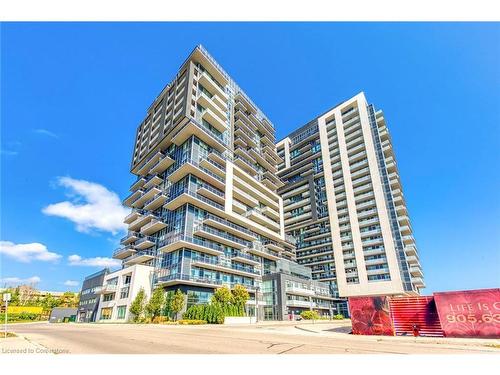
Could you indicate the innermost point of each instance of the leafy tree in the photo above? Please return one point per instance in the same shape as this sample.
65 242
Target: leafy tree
156 303
69 299
177 303
240 298
49 302
137 306
222 296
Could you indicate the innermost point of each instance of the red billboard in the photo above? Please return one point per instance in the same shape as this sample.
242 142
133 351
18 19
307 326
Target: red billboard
370 316
472 313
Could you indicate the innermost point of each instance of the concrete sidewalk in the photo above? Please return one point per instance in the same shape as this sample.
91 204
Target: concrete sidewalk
21 345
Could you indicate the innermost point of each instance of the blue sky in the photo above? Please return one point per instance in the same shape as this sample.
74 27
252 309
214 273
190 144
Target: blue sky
73 94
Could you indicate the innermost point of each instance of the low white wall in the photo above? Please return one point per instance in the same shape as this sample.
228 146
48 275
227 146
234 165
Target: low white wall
239 319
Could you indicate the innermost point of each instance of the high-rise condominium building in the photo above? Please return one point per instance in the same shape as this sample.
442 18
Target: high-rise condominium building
205 208
344 205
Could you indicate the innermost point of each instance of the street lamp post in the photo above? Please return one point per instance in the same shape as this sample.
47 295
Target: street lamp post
6 298
257 304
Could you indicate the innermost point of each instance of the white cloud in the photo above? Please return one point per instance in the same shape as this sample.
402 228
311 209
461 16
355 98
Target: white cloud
14 281
77 260
102 209
71 283
26 252
46 132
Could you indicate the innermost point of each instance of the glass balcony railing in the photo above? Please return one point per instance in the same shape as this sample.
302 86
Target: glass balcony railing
202 280
193 240
218 262
197 196
229 224
222 234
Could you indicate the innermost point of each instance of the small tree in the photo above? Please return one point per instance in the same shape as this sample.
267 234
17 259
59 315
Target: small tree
222 296
156 303
69 299
240 298
49 302
137 306
177 303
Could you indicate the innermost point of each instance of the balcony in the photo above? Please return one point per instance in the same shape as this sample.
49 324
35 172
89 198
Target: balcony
154 180
214 105
257 216
269 212
213 119
107 288
137 184
248 184
218 157
144 243
378 271
129 238
202 132
227 226
247 138
262 161
192 167
132 197
245 164
179 241
418 281
408 240
412 259
246 258
270 178
261 251
244 197
124 252
140 221
212 86
153 226
187 196
133 216
175 279
272 245
299 291
140 257
300 303
151 161
239 207
410 250
214 167
155 202
162 164
211 193
220 237
217 265
416 271
146 196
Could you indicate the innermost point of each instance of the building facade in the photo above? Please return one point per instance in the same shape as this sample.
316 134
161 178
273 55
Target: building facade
291 290
205 208
344 205
89 299
119 290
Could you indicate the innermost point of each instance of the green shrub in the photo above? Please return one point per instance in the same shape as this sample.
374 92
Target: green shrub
160 319
338 317
212 313
192 321
308 315
18 317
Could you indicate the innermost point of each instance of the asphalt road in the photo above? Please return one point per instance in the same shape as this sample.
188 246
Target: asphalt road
304 338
